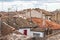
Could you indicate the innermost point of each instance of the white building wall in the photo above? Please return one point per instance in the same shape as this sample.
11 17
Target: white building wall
34 14
28 31
41 33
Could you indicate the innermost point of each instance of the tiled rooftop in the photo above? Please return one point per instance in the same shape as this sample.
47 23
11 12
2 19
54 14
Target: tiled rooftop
48 23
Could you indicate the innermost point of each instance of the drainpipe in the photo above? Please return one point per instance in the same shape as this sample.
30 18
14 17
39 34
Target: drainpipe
30 16
41 14
57 17
44 17
43 20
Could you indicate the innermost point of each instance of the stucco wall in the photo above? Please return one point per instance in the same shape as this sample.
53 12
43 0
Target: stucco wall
34 14
41 33
28 31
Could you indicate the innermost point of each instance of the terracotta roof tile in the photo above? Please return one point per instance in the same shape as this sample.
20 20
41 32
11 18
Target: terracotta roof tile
50 24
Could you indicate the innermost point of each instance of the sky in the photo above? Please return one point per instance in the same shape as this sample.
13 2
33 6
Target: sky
12 5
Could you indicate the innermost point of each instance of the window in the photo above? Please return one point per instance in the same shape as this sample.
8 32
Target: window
36 34
25 32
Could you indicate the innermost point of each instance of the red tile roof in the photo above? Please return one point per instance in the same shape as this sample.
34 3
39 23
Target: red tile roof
50 24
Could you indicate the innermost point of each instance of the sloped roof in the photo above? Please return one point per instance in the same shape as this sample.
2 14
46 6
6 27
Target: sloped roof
6 29
50 24
15 36
20 15
9 32
20 23
23 23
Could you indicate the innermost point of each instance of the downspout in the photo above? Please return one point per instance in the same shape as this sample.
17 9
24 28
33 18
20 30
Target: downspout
43 20
30 16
